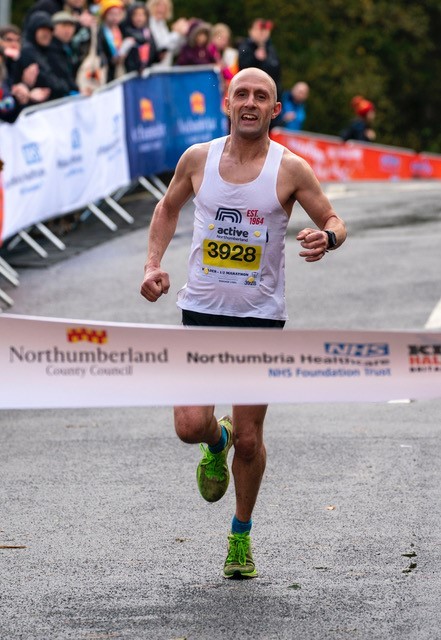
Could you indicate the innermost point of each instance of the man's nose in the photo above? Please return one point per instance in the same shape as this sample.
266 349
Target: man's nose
249 102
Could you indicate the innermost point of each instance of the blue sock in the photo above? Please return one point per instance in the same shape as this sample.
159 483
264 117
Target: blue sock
217 448
237 526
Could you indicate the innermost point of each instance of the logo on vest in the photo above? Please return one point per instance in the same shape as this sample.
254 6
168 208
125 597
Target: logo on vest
228 215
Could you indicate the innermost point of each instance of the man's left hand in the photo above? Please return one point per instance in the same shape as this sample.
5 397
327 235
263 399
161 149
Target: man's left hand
314 243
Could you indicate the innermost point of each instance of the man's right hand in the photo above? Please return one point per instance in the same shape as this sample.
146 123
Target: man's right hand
155 283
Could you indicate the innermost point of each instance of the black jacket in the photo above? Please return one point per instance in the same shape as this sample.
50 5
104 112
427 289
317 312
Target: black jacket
271 64
60 58
32 52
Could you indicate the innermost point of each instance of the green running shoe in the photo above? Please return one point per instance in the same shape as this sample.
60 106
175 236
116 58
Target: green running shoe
239 562
212 473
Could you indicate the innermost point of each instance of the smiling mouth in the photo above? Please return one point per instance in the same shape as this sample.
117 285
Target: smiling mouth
248 117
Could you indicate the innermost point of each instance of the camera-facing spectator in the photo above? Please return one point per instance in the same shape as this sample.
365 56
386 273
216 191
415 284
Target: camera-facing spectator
221 38
144 52
197 49
294 106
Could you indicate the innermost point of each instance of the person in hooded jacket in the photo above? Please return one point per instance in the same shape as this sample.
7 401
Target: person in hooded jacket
144 53
35 50
198 49
48 6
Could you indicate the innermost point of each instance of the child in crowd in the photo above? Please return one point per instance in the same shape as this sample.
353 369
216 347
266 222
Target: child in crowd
197 49
144 53
228 56
110 38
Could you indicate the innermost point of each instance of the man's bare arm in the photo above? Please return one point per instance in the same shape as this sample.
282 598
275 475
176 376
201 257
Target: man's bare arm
163 227
310 196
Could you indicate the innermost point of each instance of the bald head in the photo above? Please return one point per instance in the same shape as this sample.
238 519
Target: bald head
253 75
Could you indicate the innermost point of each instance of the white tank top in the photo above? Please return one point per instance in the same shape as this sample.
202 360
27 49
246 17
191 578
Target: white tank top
237 258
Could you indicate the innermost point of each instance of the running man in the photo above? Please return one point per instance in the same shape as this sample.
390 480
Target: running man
245 186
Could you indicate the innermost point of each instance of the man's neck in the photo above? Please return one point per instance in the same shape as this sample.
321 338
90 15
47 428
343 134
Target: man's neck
243 150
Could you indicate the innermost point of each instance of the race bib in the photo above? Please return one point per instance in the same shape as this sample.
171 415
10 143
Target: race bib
233 253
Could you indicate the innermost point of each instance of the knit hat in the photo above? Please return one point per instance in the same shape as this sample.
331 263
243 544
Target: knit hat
105 5
363 107
64 17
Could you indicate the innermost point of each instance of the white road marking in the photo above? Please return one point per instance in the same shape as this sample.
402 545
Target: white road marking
434 321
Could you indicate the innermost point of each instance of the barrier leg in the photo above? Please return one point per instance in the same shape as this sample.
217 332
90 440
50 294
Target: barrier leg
101 216
4 296
8 275
150 188
158 183
119 210
51 236
24 235
8 267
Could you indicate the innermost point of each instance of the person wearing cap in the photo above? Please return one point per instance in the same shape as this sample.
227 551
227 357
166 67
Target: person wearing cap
35 50
111 42
60 52
361 127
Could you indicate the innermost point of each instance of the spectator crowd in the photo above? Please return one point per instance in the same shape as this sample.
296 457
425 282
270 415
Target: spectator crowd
73 47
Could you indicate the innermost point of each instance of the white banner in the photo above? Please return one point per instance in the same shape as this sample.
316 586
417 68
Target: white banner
61 158
48 363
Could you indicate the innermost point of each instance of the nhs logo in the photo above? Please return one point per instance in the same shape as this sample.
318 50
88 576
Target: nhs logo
31 153
357 349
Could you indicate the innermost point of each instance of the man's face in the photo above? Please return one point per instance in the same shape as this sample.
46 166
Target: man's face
251 103
64 31
11 41
43 36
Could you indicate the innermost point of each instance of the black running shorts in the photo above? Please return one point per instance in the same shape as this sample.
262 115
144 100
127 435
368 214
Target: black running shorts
195 319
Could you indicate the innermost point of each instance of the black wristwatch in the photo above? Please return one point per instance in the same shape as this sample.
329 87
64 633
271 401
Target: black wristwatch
332 239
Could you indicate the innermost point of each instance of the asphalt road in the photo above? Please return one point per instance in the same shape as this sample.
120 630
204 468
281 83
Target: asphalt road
105 533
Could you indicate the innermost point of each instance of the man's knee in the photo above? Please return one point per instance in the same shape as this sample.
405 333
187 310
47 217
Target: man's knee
247 445
191 427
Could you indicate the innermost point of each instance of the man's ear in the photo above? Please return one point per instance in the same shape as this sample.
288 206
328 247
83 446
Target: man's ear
227 106
277 109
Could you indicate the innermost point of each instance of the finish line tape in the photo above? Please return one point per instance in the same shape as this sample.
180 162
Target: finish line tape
51 362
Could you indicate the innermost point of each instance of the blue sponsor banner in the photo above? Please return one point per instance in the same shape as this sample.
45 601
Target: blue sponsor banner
195 110
146 113
167 113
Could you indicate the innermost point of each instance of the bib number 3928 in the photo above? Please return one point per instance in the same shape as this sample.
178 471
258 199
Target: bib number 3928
232 255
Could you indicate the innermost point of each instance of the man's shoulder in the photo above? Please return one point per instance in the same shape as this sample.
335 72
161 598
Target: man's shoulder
193 158
291 162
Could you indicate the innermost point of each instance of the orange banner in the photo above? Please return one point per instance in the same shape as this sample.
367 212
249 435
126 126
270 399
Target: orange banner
335 160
